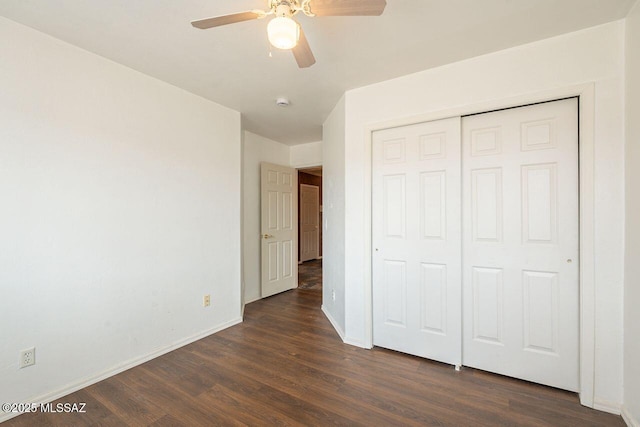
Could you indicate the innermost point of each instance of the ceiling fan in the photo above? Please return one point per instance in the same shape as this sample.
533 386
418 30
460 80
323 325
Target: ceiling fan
284 32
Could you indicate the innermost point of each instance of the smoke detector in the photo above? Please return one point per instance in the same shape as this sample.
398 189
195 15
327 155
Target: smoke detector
282 102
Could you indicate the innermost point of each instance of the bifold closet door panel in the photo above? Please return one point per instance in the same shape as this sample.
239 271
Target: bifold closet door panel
520 243
416 240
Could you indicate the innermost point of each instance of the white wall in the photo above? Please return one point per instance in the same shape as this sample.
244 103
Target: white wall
333 211
256 149
305 155
590 56
120 210
631 409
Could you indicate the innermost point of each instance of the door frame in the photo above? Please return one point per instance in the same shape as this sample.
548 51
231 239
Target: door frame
586 147
300 167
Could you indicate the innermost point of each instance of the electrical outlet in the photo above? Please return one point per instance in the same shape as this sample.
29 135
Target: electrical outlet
206 300
27 357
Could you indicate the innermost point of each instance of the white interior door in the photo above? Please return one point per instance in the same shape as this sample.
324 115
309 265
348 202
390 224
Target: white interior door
416 240
309 222
279 225
520 244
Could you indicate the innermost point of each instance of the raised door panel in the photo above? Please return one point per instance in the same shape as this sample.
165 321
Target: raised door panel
394 205
433 204
273 213
273 261
433 298
486 204
488 309
395 293
540 311
539 203
287 210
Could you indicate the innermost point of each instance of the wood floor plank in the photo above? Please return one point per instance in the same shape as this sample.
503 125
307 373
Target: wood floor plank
133 409
245 406
286 366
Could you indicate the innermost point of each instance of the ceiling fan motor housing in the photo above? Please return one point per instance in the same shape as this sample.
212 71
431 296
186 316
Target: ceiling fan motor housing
283 10
286 8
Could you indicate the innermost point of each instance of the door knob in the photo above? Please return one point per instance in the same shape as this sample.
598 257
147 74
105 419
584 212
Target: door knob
267 236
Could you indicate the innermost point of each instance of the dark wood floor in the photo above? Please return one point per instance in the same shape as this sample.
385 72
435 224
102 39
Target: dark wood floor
286 366
310 274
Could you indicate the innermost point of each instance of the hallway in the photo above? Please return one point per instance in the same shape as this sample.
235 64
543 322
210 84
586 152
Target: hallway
310 274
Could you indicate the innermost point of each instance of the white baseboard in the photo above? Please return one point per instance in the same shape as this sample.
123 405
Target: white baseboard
343 337
252 300
628 418
87 381
356 343
606 406
333 323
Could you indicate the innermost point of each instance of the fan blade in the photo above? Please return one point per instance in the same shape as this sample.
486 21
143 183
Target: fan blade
217 21
347 7
302 52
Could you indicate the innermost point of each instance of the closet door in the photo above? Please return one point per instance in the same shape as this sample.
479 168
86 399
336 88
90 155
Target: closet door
520 243
416 240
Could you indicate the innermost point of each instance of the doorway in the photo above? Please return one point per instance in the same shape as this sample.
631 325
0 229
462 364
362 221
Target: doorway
310 228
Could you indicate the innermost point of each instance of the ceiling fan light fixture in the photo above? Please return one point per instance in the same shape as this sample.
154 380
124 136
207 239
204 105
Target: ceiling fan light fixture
283 32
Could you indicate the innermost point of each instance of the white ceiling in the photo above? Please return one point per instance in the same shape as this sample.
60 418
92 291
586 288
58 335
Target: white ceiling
231 65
